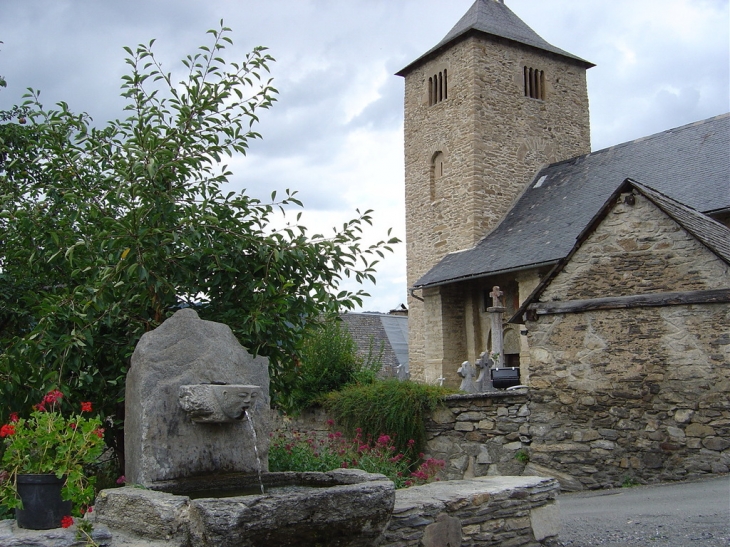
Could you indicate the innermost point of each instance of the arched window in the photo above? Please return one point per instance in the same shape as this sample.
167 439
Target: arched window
534 83
438 88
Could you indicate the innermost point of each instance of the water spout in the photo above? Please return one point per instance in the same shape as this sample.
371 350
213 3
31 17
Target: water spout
255 449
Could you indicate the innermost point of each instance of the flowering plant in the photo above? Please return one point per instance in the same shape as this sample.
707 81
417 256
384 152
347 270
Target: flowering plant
297 452
47 442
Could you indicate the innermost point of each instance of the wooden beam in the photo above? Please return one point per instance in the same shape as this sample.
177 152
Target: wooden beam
714 296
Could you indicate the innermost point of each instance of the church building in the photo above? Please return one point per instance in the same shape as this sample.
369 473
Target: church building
500 180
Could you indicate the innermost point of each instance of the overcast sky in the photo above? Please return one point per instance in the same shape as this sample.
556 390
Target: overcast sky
336 132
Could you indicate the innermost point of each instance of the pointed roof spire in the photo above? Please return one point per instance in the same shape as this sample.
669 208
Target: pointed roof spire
493 17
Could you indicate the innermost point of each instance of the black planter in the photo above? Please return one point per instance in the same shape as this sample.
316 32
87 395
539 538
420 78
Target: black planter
43 507
505 377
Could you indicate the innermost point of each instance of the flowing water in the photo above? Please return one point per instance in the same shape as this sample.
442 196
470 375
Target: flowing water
255 449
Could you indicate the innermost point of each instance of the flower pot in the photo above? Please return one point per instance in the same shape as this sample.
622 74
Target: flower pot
43 506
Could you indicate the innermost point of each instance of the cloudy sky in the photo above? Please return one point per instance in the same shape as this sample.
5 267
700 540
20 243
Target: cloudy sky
336 132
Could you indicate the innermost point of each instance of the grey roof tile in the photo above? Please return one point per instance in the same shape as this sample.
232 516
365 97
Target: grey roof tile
495 18
690 164
371 331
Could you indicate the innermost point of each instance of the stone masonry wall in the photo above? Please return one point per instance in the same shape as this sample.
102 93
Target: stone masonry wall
492 139
633 394
493 511
478 435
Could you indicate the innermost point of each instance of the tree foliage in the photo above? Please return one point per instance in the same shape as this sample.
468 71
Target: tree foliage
106 231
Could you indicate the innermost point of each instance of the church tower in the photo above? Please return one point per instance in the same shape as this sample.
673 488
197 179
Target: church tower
484 109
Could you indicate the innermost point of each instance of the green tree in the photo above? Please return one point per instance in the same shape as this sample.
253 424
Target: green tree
106 231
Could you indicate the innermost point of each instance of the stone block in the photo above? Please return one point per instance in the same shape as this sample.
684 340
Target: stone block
149 514
568 483
715 443
698 430
683 415
471 416
585 435
675 432
443 415
445 532
486 425
161 440
545 521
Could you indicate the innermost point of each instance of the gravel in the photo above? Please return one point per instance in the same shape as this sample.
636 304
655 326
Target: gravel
687 514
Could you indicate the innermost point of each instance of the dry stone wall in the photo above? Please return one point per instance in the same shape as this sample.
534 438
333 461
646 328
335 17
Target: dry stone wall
482 434
494 511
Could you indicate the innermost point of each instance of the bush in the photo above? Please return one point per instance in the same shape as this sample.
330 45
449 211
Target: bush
392 407
328 362
305 453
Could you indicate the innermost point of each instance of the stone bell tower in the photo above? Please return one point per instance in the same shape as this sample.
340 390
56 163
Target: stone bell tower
484 109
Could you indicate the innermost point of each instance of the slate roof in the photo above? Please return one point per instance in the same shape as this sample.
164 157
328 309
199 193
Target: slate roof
689 164
493 17
707 231
373 330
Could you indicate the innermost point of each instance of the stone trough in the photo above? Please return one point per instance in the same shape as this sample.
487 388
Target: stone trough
345 507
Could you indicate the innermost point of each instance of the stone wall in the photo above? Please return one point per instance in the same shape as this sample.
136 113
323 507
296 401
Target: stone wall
491 140
641 393
479 435
496 511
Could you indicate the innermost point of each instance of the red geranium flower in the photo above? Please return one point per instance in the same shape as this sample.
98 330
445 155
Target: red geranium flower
67 521
52 396
86 407
13 417
6 430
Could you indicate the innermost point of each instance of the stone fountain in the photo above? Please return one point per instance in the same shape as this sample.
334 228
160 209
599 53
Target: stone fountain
196 442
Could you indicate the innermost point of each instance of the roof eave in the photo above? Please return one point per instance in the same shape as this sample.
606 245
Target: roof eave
483 275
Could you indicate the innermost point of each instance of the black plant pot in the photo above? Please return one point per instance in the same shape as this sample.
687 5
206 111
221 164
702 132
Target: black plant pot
43 507
505 377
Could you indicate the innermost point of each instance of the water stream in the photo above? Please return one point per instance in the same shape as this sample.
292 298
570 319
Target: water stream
255 449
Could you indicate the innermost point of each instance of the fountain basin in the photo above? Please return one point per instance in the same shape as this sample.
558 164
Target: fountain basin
344 507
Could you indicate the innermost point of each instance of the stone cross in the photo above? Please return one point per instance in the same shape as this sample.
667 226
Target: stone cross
496 294
483 364
496 312
467 372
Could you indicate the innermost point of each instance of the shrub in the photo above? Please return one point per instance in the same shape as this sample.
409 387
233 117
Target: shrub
392 407
328 362
305 453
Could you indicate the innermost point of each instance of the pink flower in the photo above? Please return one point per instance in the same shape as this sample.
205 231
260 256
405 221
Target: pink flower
67 521
99 432
13 417
384 439
330 422
122 479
